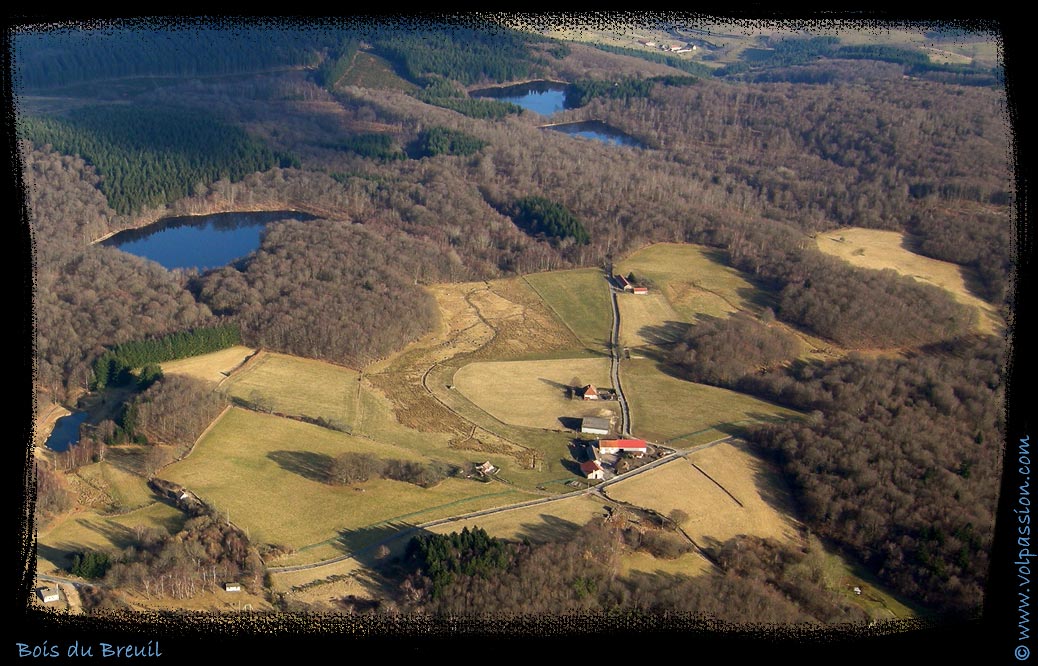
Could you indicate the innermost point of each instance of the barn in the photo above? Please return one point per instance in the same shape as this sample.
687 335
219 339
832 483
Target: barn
594 425
635 446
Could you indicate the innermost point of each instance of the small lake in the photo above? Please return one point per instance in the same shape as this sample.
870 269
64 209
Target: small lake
199 241
543 97
66 431
599 131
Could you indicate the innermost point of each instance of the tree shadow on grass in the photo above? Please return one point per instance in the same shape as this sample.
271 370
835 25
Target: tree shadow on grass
363 543
309 465
667 333
549 528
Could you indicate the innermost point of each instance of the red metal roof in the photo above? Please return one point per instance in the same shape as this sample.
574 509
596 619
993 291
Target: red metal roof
622 443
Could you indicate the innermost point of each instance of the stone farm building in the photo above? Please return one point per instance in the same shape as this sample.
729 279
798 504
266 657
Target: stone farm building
594 425
635 446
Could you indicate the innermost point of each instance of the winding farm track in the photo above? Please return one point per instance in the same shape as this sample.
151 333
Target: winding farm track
614 368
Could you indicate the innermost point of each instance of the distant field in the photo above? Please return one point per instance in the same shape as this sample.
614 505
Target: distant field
664 408
714 516
877 249
212 367
371 71
532 393
581 299
93 531
693 279
298 386
266 471
127 490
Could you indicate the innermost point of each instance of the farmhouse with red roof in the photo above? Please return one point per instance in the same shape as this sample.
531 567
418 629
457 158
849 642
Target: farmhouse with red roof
635 446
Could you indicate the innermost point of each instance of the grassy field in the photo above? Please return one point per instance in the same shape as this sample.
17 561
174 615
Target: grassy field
693 279
267 473
90 530
556 520
298 386
689 564
683 413
533 393
758 502
212 367
126 490
877 249
648 319
581 299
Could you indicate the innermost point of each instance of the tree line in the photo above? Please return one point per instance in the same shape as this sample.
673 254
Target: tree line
113 367
151 155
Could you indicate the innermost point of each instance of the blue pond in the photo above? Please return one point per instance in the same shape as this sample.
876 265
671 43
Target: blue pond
592 129
202 242
66 431
543 97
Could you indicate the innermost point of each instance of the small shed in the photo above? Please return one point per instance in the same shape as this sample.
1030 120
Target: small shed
594 425
232 587
641 291
49 594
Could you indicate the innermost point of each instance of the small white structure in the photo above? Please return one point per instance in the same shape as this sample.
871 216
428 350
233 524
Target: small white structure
232 587
49 594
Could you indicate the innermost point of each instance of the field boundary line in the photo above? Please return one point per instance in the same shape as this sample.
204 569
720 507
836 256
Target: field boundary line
701 471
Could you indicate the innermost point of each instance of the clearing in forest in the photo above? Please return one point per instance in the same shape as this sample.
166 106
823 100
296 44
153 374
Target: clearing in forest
878 249
213 367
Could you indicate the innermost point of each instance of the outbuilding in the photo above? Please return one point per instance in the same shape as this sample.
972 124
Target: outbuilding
49 594
594 425
589 392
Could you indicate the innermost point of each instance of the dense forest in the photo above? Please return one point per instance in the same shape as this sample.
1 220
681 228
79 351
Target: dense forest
899 461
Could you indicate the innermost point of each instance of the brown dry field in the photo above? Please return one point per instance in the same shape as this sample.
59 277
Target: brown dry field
214 367
714 517
532 393
878 249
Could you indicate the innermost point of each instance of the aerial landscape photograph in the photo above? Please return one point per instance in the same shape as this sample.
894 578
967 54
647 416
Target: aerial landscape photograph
501 325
